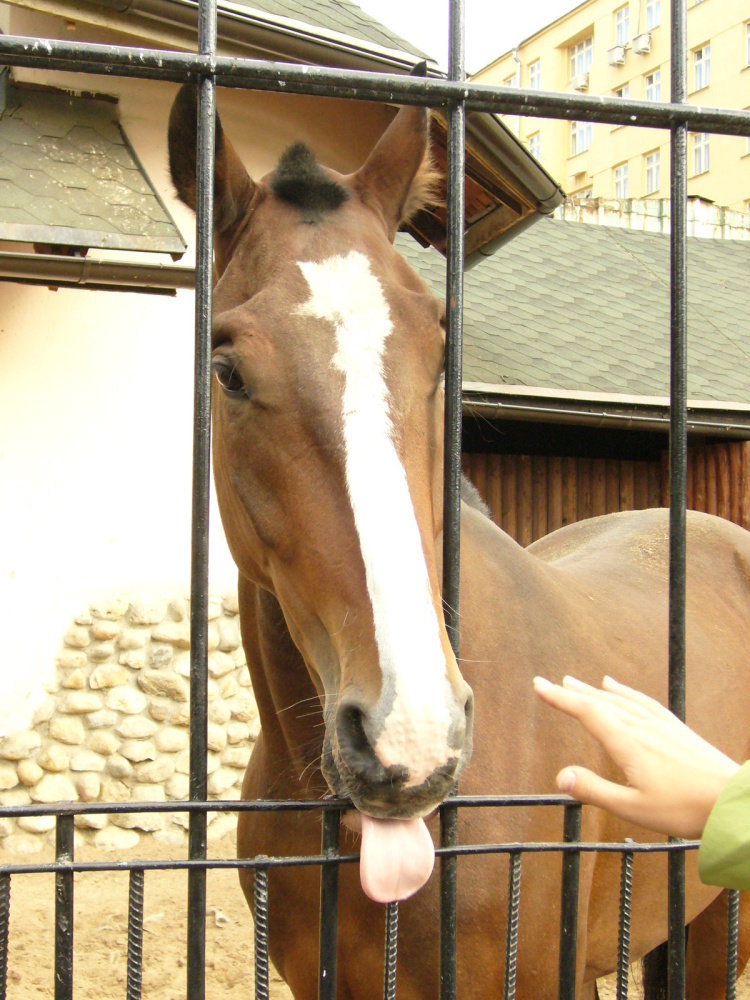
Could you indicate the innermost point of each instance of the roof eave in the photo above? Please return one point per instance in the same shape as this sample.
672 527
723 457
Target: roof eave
241 29
710 418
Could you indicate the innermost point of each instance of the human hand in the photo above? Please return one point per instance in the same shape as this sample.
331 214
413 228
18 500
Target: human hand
673 775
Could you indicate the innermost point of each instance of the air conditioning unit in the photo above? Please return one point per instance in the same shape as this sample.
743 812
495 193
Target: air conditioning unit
580 82
642 43
616 55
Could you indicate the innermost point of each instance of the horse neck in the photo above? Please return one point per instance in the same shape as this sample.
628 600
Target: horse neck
288 704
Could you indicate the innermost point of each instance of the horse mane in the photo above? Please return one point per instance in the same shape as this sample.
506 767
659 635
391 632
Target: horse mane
424 189
301 181
471 496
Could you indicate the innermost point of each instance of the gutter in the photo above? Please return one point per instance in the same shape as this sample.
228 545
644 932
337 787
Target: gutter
705 418
98 275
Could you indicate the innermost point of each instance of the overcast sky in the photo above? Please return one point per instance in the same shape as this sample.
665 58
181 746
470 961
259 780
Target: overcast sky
492 26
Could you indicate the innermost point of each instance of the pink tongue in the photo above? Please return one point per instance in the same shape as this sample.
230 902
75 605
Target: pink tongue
396 857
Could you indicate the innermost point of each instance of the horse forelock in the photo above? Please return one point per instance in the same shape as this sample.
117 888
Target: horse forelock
300 180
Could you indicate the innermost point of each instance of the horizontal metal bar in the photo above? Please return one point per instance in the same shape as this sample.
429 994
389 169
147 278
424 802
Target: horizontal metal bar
261 805
257 74
321 860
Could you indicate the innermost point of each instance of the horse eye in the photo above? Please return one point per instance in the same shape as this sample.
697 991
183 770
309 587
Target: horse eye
229 378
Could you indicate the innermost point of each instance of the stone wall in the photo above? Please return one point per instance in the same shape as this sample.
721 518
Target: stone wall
114 726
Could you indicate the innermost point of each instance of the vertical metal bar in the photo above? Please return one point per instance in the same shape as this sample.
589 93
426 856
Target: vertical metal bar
456 157
196 948
511 933
569 903
733 930
448 901
4 931
329 908
135 935
623 932
677 469
391 951
260 919
64 910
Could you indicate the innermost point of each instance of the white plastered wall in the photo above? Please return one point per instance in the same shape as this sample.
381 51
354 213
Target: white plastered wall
96 394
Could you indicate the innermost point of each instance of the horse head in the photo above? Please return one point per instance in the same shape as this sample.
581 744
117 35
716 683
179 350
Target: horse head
327 427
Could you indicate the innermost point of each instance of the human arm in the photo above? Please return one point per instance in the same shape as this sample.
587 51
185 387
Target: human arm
724 855
673 776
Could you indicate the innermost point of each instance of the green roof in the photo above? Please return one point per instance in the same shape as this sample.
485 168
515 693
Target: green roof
586 309
68 177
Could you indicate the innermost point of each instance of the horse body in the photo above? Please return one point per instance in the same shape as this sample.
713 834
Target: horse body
327 420
563 605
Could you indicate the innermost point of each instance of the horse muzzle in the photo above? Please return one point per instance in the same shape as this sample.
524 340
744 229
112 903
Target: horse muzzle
401 773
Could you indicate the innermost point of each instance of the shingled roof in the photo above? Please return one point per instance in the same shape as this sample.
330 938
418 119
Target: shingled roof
68 177
337 16
584 310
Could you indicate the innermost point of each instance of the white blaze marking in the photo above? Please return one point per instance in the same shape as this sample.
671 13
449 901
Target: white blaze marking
345 292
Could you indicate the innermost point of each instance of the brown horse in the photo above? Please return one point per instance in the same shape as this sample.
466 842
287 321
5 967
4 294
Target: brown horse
327 417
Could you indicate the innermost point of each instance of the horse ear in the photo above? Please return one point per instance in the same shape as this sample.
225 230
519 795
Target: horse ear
234 189
398 173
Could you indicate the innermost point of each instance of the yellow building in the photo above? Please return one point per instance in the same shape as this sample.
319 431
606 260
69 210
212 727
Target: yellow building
608 48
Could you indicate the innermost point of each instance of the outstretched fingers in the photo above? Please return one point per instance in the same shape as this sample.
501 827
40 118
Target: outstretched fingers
672 776
591 789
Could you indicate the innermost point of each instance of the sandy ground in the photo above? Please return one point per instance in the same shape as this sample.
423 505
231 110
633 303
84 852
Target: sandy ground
101 901
101 909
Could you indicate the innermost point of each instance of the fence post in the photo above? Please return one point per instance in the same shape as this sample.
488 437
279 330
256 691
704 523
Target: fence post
571 865
329 908
677 469
197 835
456 156
64 909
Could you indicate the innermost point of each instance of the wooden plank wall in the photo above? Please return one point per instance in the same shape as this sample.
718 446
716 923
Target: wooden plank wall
531 495
718 481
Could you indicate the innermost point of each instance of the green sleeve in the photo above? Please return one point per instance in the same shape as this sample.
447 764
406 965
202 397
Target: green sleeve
724 856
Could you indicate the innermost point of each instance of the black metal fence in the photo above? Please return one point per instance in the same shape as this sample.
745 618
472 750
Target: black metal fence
455 95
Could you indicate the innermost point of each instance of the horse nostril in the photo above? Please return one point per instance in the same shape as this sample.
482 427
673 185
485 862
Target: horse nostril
350 726
355 747
469 711
460 737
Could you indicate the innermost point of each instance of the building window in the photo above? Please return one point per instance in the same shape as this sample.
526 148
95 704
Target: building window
535 145
623 91
747 43
511 81
580 137
535 75
621 181
653 14
581 57
652 172
700 153
653 86
622 26
701 67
